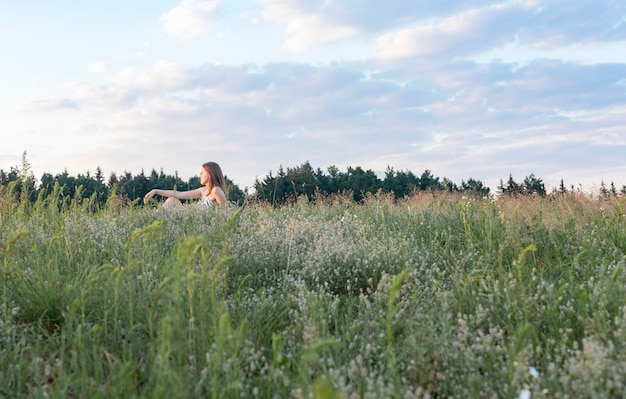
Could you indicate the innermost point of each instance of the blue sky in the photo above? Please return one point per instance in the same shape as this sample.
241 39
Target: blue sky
464 88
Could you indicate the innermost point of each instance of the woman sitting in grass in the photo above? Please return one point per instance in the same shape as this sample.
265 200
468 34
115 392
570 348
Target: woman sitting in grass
212 192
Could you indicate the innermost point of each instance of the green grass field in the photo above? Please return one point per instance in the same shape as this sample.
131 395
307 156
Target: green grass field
428 297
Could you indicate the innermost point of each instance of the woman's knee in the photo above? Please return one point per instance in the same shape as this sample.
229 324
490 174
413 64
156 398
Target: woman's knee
172 202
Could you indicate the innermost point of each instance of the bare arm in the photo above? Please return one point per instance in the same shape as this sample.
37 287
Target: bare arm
183 195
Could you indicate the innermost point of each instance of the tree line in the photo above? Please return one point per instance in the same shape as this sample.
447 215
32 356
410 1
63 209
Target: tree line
304 180
277 189
355 182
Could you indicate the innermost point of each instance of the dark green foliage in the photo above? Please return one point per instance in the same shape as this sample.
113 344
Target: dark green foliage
534 186
293 183
474 188
401 183
356 182
531 185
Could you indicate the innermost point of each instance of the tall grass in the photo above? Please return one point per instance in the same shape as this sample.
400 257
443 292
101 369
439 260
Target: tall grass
431 296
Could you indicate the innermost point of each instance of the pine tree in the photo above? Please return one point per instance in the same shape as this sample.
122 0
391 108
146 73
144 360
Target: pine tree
562 188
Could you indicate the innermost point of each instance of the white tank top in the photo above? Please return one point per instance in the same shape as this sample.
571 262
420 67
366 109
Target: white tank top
205 200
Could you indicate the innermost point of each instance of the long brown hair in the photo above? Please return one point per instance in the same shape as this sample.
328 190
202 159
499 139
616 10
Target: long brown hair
216 175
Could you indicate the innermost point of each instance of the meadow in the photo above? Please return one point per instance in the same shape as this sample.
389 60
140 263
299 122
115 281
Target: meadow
432 296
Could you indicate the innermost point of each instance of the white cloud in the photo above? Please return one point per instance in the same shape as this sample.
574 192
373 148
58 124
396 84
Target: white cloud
53 105
448 29
161 77
189 19
538 24
305 28
97 67
558 23
465 33
453 117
